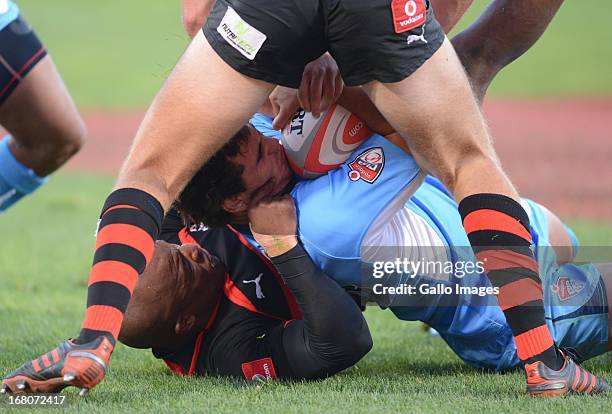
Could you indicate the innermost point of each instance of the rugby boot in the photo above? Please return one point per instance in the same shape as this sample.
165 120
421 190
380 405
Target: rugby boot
570 379
70 364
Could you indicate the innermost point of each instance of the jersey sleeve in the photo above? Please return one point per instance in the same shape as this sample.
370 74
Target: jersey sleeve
332 334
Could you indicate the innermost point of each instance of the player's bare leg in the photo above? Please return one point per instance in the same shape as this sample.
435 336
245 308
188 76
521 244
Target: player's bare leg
42 119
202 104
559 238
453 143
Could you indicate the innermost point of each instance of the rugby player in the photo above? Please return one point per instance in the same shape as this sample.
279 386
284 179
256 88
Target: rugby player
254 318
35 108
203 317
408 69
374 218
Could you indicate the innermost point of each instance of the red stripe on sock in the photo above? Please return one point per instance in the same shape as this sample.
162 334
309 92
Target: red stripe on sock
103 318
120 206
505 259
486 219
127 234
113 271
533 342
518 293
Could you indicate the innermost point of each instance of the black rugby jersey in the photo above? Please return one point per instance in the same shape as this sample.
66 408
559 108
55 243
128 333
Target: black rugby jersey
257 332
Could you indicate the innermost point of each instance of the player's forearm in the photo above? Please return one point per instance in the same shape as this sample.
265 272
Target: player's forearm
336 333
449 12
503 32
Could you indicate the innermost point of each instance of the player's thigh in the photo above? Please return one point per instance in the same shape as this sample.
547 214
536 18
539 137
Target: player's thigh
201 105
435 110
559 237
40 110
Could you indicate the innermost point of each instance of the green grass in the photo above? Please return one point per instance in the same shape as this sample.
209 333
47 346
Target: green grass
115 53
111 53
44 261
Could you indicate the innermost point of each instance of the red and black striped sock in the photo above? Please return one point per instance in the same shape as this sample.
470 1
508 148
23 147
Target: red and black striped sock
499 232
128 227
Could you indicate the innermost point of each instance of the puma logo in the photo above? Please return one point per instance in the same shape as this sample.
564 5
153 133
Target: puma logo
415 38
258 291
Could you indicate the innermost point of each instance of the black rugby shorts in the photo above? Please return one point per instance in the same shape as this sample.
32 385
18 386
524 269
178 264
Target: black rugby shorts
20 51
272 40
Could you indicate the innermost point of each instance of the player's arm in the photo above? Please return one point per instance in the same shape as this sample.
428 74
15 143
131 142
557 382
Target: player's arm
332 334
194 13
502 33
449 12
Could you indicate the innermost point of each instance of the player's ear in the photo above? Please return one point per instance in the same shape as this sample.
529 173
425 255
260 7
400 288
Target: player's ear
184 324
235 204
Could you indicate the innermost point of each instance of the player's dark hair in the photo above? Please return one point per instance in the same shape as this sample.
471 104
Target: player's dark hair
219 179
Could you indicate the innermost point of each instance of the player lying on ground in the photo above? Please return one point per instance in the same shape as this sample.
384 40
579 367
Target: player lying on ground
408 68
159 168
371 216
35 108
576 302
186 292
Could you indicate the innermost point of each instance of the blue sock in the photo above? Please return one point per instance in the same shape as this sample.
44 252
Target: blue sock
16 180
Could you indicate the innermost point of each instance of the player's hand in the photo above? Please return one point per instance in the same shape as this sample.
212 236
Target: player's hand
321 87
194 14
274 224
284 104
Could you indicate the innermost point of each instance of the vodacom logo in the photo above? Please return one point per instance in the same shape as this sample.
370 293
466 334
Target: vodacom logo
410 8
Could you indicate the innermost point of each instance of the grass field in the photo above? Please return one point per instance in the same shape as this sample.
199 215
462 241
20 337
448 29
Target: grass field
115 53
43 268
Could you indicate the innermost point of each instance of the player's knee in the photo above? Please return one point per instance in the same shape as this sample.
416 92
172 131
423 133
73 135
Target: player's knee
65 142
73 138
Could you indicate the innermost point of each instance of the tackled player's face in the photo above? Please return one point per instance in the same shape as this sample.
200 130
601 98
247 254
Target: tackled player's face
266 171
175 297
